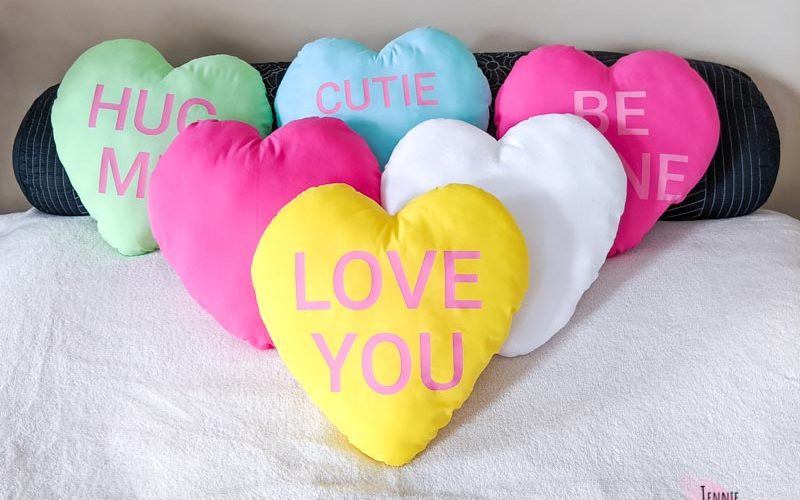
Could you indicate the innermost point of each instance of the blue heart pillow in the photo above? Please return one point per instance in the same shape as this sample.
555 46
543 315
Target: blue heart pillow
426 73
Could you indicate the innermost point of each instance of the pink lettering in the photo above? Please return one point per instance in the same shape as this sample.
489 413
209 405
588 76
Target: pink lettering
411 298
183 112
304 304
426 364
579 100
166 113
421 89
348 95
121 108
329 100
664 176
138 168
582 108
451 277
334 362
406 91
141 105
320 98
642 184
624 112
384 81
367 363
375 280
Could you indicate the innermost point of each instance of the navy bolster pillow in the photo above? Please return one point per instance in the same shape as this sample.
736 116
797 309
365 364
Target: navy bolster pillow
740 179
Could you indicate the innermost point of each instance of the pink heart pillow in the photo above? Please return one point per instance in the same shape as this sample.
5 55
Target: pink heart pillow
655 110
219 185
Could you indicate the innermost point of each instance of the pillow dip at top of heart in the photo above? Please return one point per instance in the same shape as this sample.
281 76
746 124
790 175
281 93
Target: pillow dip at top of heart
425 73
219 185
656 111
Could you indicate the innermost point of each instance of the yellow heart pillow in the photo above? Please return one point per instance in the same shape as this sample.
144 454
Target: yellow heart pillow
387 321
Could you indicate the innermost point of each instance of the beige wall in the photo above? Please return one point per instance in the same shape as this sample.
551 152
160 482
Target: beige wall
39 39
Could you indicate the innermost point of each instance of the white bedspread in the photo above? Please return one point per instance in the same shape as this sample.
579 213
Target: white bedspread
680 367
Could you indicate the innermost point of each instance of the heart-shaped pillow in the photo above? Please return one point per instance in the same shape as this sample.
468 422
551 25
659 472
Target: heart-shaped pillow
219 185
118 108
556 174
655 110
387 321
423 74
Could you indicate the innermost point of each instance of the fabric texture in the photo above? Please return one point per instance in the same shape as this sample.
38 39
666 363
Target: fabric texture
422 74
393 317
136 103
654 109
556 174
219 185
114 383
739 180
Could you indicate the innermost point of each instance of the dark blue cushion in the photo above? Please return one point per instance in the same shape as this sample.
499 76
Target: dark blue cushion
38 170
739 180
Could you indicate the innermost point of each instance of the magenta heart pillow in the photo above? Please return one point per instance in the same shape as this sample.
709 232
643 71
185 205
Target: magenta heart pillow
218 186
655 110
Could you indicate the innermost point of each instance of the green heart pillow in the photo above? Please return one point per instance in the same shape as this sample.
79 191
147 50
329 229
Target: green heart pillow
119 107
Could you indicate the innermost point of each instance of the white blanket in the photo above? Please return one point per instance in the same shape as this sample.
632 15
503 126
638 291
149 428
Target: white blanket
681 367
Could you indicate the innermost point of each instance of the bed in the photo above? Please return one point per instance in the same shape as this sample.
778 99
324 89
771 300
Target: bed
679 374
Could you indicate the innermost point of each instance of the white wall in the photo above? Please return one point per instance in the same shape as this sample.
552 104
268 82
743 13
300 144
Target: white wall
40 38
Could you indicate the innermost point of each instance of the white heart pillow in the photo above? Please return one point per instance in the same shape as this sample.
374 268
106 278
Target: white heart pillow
556 174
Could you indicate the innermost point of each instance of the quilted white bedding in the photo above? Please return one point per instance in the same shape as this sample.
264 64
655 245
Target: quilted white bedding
680 370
